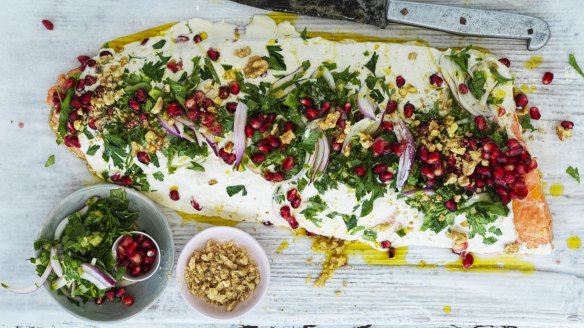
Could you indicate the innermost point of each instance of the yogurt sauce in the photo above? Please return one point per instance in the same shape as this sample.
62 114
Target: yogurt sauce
390 214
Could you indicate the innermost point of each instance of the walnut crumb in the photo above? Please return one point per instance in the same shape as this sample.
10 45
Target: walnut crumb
222 273
255 67
329 122
287 137
243 52
562 133
511 248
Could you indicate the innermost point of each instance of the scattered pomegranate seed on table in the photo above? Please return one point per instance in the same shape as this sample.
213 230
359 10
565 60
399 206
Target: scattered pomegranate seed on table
534 113
467 260
548 77
505 61
48 24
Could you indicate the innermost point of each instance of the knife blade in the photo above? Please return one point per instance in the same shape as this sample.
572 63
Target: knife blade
456 20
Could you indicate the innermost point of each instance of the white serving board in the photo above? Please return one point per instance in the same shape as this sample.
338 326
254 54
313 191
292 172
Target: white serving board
399 296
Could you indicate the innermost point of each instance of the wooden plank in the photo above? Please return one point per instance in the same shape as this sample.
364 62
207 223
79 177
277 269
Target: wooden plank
404 296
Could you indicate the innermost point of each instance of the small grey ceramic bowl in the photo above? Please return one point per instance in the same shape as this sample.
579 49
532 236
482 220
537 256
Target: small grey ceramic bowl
152 221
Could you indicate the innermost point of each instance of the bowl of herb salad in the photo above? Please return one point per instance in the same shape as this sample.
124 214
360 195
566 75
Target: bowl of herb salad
75 245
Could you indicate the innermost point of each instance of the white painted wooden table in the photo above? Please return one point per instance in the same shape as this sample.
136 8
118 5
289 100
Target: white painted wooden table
31 58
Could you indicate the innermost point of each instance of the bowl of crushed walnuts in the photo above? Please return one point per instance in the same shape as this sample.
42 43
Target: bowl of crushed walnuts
223 272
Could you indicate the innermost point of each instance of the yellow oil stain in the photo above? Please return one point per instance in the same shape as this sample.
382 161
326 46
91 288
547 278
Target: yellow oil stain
119 43
283 245
533 62
495 264
279 17
373 256
346 36
425 265
557 189
447 309
527 88
574 242
214 220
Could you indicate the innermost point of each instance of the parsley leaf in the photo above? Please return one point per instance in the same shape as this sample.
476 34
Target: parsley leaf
114 148
196 167
92 150
573 172
525 122
372 63
461 58
65 111
154 70
574 64
159 44
50 161
370 235
275 59
476 84
500 78
304 35
158 176
232 190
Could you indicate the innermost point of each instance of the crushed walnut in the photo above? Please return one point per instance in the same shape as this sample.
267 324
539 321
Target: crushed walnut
222 273
287 137
330 121
562 133
242 52
256 66
335 257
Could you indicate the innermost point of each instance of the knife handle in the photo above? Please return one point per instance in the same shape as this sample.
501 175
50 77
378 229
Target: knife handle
473 22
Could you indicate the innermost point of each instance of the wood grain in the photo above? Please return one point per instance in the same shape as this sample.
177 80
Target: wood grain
399 296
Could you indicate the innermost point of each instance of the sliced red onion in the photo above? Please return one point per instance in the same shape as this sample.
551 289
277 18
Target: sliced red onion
170 129
322 156
191 126
60 228
94 275
211 143
41 281
280 82
239 138
328 77
59 283
180 128
407 159
55 263
426 191
364 103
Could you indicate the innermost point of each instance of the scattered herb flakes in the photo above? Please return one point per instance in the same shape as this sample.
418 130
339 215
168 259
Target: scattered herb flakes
232 190
370 235
500 78
574 64
50 161
275 58
476 84
92 150
573 172
461 58
154 70
159 44
196 167
372 63
158 176
304 35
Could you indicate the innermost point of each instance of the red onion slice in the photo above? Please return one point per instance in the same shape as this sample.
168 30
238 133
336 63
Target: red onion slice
55 263
59 283
328 77
239 138
407 159
364 103
170 129
94 275
323 152
280 82
41 281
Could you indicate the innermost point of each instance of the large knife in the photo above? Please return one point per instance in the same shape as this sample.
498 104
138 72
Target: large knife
457 20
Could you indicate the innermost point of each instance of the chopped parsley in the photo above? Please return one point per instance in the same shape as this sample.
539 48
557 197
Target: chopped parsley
92 150
574 64
525 122
476 84
159 44
154 70
304 34
158 176
370 235
275 58
573 172
50 161
315 206
461 58
371 65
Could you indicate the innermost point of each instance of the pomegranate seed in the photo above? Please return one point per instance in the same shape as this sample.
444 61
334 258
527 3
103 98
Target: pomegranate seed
378 146
105 53
234 88
91 62
289 126
255 123
386 244
269 176
258 158
48 24
278 177
86 99
460 248
174 109
568 125
90 80
224 92
306 102
140 94
69 84
135 270
126 181
391 252
128 300
99 300
387 126
483 170
436 80
83 59
347 107
264 148
119 292
337 146
229 159
409 110
135 258
291 194
467 260
433 158
481 123
311 113
71 141
521 100
342 124
143 157
379 168
197 38
174 195
385 176
248 131
193 114
174 66
423 154
438 171
391 106
288 163
213 54
400 81
273 142
195 204
76 103
451 205
285 211
295 203
80 85
134 104
326 106
501 111
428 172
505 62
151 252
548 77
498 172
110 295
513 143
463 88
181 38
359 171
534 113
